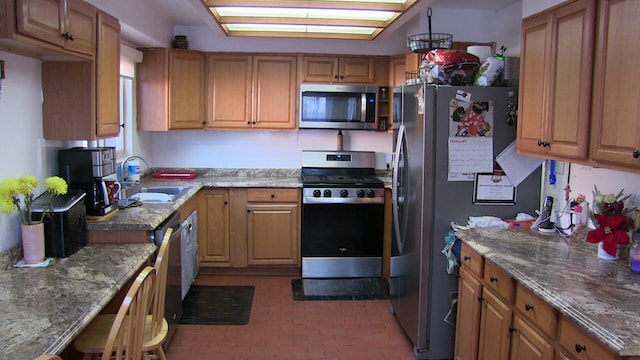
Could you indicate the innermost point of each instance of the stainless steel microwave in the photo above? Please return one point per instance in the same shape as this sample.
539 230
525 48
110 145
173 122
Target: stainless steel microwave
333 106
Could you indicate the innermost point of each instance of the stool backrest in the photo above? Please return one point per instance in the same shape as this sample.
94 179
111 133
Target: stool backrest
161 265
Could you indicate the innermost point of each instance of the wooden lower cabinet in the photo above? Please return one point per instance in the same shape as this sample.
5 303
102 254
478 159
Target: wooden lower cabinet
214 247
495 320
527 343
272 234
469 306
273 226
499 318
247 227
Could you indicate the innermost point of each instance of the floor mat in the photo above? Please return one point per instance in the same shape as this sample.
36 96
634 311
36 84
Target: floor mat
340 289
217 305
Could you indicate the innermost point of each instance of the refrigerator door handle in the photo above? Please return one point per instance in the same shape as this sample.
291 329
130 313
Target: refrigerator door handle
394 185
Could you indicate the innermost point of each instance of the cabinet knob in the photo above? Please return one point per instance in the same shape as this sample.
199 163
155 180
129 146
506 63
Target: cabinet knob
539 143
336 77
580 348
273 196
248 122
493 279
467 258
225 203
248 211
480 298
636 154
204 123
512 329
528 307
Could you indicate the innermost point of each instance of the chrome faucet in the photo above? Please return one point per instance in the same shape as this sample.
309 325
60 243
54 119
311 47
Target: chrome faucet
124 178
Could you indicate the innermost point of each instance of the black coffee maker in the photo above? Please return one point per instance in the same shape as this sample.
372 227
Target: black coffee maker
85 169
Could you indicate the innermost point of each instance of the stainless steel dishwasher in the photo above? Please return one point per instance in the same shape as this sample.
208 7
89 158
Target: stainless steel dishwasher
189 251
173 299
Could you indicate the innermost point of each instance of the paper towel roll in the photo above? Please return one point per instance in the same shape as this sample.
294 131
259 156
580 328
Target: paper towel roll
481 51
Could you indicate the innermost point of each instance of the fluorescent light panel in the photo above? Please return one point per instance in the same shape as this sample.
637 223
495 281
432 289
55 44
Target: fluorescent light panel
305 13
300 29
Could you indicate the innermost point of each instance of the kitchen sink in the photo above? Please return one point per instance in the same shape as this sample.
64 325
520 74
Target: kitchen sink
159 195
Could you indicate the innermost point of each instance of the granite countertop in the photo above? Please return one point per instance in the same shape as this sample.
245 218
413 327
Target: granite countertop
149 215
599 295
45 308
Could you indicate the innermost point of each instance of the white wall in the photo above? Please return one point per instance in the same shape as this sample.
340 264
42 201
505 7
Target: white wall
20 132
258 149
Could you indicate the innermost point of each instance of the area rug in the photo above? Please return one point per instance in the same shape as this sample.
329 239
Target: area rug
217 305
340 289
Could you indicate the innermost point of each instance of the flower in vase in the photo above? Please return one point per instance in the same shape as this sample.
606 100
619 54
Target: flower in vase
613 220
17 194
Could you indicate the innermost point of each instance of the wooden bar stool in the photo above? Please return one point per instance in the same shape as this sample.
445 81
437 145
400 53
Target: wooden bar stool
48 357
93 338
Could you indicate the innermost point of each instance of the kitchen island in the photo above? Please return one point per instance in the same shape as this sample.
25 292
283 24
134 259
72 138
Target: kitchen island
599 296
43 309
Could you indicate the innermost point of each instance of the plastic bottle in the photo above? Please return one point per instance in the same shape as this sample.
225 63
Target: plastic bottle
133 171
634 253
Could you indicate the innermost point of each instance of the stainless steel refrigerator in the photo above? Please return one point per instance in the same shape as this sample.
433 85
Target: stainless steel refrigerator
426 199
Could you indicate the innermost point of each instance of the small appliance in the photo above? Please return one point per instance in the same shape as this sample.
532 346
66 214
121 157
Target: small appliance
333 106
65 225
85 169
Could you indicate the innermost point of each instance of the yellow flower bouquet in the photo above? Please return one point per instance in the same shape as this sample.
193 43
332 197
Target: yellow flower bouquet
17 194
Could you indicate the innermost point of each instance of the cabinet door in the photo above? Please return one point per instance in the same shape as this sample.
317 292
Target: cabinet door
274 92
186 89
359 70
397 68
214 247
527 344
556 81
570 86
81 24
536 54
108 77
42 19
320 69
495 321
615 132
468 325
272 234
229 91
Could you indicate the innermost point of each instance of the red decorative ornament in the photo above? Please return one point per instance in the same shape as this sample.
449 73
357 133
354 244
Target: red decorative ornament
609 232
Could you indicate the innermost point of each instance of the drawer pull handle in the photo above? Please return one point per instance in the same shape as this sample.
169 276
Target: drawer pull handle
580 348
493 279
467 258
528 307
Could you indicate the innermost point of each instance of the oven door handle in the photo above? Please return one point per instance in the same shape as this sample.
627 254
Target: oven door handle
402 134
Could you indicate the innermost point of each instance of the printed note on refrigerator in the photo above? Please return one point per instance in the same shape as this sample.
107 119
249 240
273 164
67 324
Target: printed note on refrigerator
470 154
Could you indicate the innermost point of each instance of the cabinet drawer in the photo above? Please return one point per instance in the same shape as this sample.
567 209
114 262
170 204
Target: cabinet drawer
471 259
272 195
579 345
537 310
499 281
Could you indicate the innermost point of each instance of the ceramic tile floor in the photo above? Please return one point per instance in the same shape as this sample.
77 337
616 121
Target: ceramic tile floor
281 328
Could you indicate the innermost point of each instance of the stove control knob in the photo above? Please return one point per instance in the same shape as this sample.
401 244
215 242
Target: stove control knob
316 193
371 193
344 193
327 193
360 193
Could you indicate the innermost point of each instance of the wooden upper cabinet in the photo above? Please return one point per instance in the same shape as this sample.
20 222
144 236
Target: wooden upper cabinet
274 92
397 71
171 90
70 24
81 98
108 76
555 82
247 92
343 69
229 90
615 125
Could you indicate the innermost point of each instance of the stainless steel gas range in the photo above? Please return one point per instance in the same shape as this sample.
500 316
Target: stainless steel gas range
342 215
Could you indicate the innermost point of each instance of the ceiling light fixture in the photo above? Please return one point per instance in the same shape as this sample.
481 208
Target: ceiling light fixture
336 19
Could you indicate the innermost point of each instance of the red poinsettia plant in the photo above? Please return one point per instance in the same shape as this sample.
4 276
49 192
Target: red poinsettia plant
613 220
